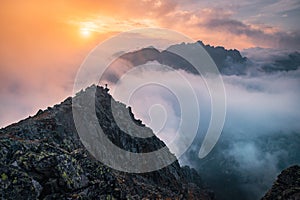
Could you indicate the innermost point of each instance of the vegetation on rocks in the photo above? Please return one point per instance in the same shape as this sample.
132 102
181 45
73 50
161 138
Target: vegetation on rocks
42 157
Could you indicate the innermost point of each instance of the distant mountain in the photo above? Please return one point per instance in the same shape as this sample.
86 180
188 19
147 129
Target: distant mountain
229 62
42 157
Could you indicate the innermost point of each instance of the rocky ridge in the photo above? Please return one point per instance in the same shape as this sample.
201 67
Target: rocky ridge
228 61
287 185
42 157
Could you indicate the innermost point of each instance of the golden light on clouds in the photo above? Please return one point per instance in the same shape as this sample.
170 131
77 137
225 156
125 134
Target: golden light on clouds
45 41
87 28
96 25
85 32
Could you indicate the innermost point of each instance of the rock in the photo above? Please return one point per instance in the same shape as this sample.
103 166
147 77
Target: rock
287 185
42 157
229 62
17 184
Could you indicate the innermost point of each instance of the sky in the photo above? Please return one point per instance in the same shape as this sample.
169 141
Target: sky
42 44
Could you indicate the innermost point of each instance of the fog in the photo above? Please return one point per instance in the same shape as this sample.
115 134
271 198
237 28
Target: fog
261 134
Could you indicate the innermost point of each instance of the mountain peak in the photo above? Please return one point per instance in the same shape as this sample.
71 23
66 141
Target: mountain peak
42 157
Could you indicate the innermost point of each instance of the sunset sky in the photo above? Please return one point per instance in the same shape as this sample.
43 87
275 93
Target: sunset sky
42 43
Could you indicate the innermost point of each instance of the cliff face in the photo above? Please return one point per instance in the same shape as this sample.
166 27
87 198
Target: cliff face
42 157
287 185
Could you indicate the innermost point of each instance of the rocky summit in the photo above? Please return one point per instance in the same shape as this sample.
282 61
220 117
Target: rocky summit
42 157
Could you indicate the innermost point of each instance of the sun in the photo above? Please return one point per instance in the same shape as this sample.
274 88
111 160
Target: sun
85 32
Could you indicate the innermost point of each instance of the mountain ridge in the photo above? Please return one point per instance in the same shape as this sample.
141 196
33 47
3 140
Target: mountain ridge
42 157
229 62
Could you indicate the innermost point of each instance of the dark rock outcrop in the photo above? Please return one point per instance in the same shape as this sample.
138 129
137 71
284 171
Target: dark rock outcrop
229 62
287 185
42 157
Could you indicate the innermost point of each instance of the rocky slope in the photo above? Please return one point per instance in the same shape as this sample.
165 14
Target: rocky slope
42 157
287 185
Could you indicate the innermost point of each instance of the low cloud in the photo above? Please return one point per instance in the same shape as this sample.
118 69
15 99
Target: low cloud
260 135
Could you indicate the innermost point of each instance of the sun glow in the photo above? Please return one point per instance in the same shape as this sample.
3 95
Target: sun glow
85 32
88 28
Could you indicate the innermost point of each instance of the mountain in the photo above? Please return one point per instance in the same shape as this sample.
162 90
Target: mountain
287 185
42 157
229 62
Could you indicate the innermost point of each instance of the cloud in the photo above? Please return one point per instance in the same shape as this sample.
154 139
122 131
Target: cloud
281 6
260 135
39 54
156 99
229 28
275 39
22 95
233 26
